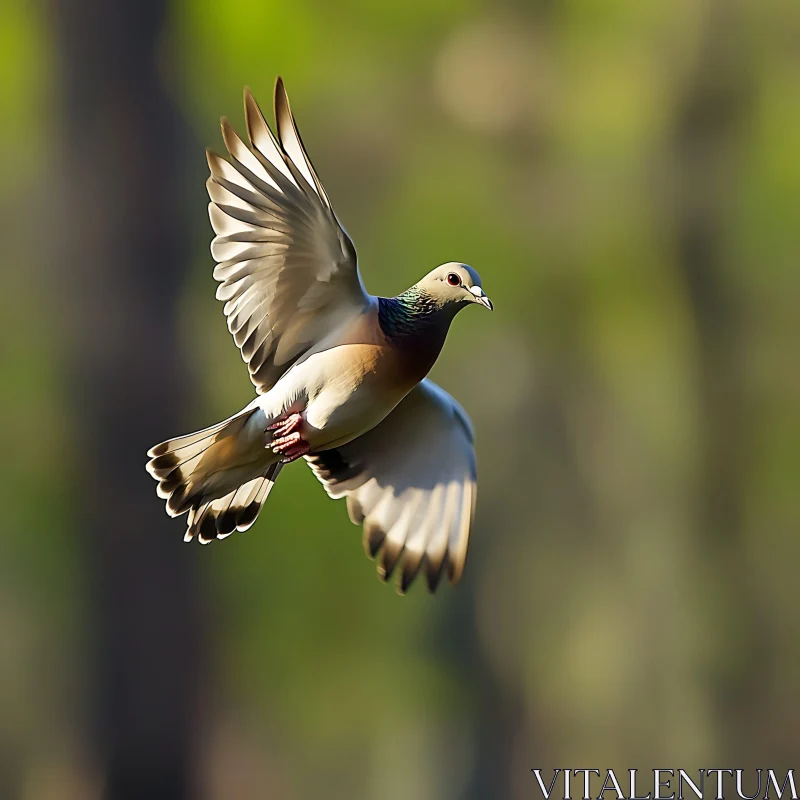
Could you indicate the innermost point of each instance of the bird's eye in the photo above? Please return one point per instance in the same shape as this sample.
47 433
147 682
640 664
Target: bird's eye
453 279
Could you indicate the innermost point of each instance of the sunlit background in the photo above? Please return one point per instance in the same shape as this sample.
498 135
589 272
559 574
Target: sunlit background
625 175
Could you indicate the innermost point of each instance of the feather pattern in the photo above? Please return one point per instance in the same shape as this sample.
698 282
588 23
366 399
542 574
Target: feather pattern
235 511
412 481
411 314
287 269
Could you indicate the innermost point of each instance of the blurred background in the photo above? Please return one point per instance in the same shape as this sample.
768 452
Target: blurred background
626 177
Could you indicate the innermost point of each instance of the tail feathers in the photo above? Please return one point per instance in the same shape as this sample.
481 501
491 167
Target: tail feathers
183 466
236 511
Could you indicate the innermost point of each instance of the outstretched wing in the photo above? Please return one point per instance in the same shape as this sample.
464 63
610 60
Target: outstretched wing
287 268
411 480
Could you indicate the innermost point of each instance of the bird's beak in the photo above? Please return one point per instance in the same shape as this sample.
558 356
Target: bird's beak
480 297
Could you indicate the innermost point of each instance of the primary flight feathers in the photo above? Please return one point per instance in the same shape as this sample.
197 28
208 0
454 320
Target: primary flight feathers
286 267
339 374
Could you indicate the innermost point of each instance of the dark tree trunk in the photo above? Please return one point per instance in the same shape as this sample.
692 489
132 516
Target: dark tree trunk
710 126
122 262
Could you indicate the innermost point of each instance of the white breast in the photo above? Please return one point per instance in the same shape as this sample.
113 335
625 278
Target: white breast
342 392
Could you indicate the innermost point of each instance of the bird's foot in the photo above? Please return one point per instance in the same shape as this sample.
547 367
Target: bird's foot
290 447
285 438
285 425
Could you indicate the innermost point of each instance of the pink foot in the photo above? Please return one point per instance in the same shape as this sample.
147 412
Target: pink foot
286 440
285 425
290 447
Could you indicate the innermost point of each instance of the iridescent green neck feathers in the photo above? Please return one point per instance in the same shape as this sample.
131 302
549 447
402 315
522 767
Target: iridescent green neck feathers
410 314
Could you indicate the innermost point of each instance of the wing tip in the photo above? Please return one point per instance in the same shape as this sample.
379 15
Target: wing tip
229 136
251 111
433 574
373 539
390 557
411 567
455 570
281 109
213 159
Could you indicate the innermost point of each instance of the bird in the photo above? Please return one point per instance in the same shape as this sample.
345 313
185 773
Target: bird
340 375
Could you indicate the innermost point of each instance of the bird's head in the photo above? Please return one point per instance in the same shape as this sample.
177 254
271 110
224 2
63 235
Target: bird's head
455 283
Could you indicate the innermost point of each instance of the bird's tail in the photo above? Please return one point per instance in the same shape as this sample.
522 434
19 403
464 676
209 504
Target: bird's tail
218 475
235 511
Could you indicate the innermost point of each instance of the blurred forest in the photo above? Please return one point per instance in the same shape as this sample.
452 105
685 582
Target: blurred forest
625 175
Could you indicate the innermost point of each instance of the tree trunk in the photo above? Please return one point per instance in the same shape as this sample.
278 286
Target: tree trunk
709 129
122 262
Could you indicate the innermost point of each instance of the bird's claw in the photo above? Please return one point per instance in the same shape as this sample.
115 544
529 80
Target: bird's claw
286 440
285 426
290 447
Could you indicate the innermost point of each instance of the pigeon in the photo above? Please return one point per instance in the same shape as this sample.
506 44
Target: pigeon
340 375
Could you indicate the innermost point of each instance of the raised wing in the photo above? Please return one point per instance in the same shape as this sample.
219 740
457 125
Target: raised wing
411 480
287 268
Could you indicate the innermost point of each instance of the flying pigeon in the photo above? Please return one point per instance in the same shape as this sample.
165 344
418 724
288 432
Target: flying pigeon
340 375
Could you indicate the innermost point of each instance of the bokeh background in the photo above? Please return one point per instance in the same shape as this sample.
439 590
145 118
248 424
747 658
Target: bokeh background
626 177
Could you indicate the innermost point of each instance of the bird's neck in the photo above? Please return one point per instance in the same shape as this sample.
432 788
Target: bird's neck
417 326
412 315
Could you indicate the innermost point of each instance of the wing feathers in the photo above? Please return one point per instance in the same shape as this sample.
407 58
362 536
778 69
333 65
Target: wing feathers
245 159
287 269
291 143
411 480
261 136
